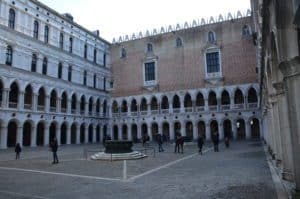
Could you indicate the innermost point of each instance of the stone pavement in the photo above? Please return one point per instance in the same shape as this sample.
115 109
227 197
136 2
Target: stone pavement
238 172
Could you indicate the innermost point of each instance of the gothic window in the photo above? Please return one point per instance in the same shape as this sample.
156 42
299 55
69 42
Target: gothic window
149 48
104 84
61 41
149 70
95 80
212 62
85 51
9 55
36 29
211 37
11 19
178 42
33 63
70 73
246 31
123 53
59 71
84 78
71 45
104 59
46 34
45 65
95 55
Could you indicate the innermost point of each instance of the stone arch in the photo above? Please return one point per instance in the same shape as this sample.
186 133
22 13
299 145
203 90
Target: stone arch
164 103
154 130
176 102
200 102
189 129
188 103
255 128
227 128
143 105
212 99
53 100
82 104
124 132
64 102
115 107
28 97
201 128
74 127
91 133
41 99
82 133
134 105
12 132
134 133
241 129
116 132
177 128
40 133
91 105
53 131
124 106
214 126
63 133
166 130
13 95
238 96
144 129
225 97
154 103
252 96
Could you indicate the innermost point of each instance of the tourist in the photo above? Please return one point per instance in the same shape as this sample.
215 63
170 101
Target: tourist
181 142
54 147
159 140
18 150
200 143
215 138
176 143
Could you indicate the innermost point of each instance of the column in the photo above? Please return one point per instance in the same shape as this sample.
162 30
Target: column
206 108
86 109
69 106
47 108
221 130
34 102
109 131
5 98
21 101
139 133
94 133
68 134
33 137
195 130
20 135
58 135
248 130
46 135
78 134
172 134
207 132
58 105
183 128
120 131
78 107
182 108
86 134
149 132
231 102
218 103
234 129
129 131
3 136
149 109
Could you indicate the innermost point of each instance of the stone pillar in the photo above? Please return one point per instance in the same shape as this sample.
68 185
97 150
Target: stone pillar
46 135
235 130
195 130
183 128
34 102
94 134
120 132
78 107
149 109
86 134
139 131
3 136
20 135
58 134
21 101
172 133
68 134
150 132
78 134
47 108
5 98
182 108
33 136
206 108
58 105
69 106
129 133
221 130
248 130
207 132
86 109
232 102
291 72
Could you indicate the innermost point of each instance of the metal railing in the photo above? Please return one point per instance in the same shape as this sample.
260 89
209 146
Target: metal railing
41 108
252 105
13 105
52 109
165 111
28 106
176 110
213 108
225 107
200 108
188 109
239 106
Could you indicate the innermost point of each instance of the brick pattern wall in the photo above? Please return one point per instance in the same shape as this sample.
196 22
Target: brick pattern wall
184 68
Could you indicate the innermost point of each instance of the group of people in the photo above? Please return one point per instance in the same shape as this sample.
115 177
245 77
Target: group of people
215 139
53 147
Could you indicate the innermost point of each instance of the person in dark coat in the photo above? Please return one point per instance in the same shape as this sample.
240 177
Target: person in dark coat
54 147
177 136
215 138
200 143
18 150
159 140
227 137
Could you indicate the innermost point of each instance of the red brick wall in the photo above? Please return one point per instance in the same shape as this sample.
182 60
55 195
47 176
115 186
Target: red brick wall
184 68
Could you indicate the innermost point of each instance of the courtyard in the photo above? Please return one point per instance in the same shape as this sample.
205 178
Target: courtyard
241 171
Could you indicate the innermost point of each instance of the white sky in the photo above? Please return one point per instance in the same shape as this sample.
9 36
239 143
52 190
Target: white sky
116 18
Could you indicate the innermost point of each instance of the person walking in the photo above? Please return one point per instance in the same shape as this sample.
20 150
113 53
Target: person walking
159 140
54 147
215 138
177 136
200 143
18 150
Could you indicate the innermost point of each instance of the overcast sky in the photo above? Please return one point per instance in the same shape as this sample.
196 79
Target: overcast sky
119 17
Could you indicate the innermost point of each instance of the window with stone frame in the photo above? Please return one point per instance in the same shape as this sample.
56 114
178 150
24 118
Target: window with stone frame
45 66
70 45
84 78
46 34
61 41
150 73
36 29
149 48
178 42
212 62
70 73
9 56
211 37
59 71
11 18
123 53
33 63
246 31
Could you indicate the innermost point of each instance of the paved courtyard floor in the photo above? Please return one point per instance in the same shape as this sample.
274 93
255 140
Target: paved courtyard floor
238 172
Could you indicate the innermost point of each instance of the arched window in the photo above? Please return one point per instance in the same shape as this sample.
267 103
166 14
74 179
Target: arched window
246 31
36 29
84 78
133 107
64 102
211 37
13 95
95 80
59 71
85 51
70 73
74 103
123 53
61 41
11 18
71 45
33 63
149 48
46 34
104 59
95 55
9 55
45 66
178 42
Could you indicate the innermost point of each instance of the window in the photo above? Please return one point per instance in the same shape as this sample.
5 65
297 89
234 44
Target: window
149 72
61 41
212 62
85 51
123 53
211 37
9 55
84 78
71 45
104 59
46 34
33 63
104 84
70 73
95 80
178 42
246 31
149 48
45 65
36 29
59 71
11 19
95 55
